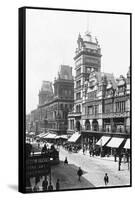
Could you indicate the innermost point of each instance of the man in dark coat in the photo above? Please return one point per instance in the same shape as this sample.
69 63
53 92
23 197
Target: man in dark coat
50 187
45 184
79 173
65 161
57 184
106 179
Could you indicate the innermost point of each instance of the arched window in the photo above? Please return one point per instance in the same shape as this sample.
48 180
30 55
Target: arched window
78 125
87 124
95 126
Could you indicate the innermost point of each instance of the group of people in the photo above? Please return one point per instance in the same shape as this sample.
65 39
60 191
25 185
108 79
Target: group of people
49 187
46 185
72 147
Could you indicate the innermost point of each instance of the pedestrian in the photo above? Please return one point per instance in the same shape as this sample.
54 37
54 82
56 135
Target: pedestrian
37 179
83 151
36 188
119 163
50 187
106 179
45 184
79 173
115 157
65 161
90 152
57 184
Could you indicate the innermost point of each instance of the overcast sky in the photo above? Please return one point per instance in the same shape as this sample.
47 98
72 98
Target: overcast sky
51 40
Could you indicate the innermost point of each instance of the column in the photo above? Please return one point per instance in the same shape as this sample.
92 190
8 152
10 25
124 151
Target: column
71 124
82 141
100 123
112 125
93 142
68 123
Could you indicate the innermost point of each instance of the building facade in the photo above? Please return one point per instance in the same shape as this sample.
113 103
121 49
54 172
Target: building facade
54 105
87 59
102 103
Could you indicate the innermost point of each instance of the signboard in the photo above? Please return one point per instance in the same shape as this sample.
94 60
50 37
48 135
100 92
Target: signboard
37 165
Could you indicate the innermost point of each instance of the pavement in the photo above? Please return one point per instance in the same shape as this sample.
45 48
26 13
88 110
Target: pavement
68 177
94 169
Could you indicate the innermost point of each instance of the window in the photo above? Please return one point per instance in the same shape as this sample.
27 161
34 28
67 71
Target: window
96 109
108 108
90 110
70 106
61 106
78 72
120 106
78 95
78 83
78 108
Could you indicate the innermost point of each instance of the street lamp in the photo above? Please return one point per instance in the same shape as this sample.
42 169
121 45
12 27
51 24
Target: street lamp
101 147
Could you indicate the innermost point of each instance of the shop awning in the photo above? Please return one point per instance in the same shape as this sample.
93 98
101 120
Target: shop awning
50 136
127 144
44 135
41 134
74 137
103 140
31 133
115 142
62 137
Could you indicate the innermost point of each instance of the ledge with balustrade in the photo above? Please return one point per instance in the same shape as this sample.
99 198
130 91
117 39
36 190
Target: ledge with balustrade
106 115
74 114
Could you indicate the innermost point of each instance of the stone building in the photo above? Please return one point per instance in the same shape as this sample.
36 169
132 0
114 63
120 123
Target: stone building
87 59
102 103
34 118
54 105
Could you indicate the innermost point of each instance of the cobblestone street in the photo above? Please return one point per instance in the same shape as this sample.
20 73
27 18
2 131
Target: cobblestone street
95 167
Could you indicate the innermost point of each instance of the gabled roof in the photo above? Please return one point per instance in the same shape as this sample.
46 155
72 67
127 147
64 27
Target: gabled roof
109 78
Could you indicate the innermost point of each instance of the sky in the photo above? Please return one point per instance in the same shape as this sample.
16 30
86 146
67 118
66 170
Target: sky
51 40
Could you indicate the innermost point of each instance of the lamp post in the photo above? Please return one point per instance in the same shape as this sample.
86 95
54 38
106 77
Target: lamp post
81 137
101 147
45 124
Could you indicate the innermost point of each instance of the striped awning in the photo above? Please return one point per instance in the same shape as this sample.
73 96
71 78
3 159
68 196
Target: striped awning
41 134
103 140
127 144
50 136
115 142
61 137
74 137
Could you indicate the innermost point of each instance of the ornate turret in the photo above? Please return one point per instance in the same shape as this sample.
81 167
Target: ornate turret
64 84
46 92
89 48
128 81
